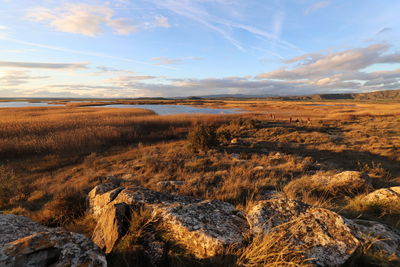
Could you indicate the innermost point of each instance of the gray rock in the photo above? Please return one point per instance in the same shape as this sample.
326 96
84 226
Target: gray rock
322 234
100 196
383 196
25 243
111 226
204 228
382 239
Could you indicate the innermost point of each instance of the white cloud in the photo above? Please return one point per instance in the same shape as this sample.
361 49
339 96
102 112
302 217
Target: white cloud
82 19
317 6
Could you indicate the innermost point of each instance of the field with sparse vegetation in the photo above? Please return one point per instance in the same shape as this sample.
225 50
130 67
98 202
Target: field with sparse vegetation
50 158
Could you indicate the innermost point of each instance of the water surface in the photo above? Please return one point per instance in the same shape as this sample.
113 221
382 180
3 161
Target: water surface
177 109
159 109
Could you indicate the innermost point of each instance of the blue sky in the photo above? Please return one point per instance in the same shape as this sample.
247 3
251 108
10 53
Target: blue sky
136 48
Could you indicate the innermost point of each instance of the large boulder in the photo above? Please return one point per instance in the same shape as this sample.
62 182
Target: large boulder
384 196
26 243
322 234
381 239
203 228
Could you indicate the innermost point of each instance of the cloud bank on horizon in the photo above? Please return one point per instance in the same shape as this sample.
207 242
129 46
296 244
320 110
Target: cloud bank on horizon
127 48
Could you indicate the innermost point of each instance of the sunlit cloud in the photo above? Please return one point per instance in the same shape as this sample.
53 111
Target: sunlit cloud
82 19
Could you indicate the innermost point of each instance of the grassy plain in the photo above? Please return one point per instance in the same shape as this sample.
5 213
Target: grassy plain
53 156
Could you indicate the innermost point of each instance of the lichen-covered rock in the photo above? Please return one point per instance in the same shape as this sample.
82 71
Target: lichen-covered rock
382 239
25 243
383 196
100 196
322 234
205 228
111 226
138 196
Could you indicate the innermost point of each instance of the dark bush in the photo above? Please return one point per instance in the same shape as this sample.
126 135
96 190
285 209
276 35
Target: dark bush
202 137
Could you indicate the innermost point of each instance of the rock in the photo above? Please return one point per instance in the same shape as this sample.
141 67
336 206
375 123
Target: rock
234 141
322 234
204 228
342 184
258 168
100 196
277 156
383 196
169 184
382 239
26 243
111 226
137 196
350 181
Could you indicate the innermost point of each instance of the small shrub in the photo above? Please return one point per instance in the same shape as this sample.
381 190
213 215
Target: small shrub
202 137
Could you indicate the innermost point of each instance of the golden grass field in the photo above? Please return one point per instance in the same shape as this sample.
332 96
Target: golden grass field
51 157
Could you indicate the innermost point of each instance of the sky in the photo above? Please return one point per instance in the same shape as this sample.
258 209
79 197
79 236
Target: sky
171 48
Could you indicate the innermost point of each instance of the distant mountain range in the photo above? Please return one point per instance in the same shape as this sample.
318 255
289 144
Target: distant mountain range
377 95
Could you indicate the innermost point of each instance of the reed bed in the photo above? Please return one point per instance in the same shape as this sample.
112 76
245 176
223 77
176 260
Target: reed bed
32 131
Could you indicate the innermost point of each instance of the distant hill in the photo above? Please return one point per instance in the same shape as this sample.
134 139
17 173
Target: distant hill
377 95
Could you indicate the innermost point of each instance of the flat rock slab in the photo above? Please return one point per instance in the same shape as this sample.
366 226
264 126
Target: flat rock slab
322 234
204 228
25 243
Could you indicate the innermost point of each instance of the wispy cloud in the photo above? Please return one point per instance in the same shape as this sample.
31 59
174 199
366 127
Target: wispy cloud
172 61
192 10
78 52
41 65
319 5
16 78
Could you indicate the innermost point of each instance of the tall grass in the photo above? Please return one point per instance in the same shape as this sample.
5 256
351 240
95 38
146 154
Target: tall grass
33 131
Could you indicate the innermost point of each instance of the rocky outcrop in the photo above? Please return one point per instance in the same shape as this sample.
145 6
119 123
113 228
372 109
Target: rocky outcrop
383 196
322 234
382 239
204 228
26 243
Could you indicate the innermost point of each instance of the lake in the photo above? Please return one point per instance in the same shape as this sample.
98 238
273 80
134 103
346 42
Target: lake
178 109
22 104
159 109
